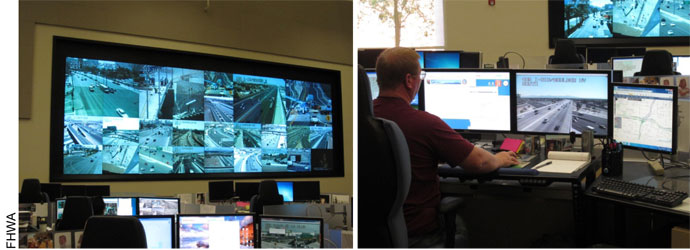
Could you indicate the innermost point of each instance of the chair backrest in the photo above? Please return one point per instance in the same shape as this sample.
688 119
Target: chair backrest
656 63
77 211
383 153
268 195
114 232
565 53
31 192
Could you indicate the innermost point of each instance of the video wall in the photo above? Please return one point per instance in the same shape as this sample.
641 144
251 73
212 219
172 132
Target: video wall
126 118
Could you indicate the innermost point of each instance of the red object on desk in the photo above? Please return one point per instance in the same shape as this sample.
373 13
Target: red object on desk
511 144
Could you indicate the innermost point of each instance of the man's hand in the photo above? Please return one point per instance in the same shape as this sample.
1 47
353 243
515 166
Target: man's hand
508 158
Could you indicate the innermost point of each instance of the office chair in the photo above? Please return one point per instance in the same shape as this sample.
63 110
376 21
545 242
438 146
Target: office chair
268 195
77 210
383 154
114 232
31 192
657 63
565 53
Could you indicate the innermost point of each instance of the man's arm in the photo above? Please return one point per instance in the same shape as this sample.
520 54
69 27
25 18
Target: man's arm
481 161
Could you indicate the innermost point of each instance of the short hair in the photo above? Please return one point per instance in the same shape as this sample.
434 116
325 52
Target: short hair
394 64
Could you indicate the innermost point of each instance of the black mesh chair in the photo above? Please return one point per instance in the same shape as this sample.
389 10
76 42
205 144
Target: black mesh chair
114 232
657 63
268 195
31 192
77 211
565 53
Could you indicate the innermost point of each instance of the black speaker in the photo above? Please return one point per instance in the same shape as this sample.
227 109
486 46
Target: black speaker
612 159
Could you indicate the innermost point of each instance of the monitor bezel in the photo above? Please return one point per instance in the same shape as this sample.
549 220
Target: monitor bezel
674 140
173 225
64 47
179 205
513 94
422 96
319 219
254 224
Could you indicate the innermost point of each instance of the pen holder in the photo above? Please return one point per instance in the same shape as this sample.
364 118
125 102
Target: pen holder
612 161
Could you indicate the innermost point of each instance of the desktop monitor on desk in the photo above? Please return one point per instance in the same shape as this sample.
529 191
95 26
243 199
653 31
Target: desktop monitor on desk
159 229
158 206
245 190
123 206
219 231
220 190
645 116
374 86
633 64
562 101
441 60
469 100
291 232
306 191
286 190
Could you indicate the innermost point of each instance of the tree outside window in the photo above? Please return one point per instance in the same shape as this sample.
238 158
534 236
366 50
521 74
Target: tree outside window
408 23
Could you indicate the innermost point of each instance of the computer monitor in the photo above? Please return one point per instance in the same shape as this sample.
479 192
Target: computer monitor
682 64
219 231
221 190
285 188
629 65
159 229
441 59
562 101
245 190
59 207
123 206
645 116
421 58
54 190
97 190
73 190
472 100
291 232
374 86
306 190
158 206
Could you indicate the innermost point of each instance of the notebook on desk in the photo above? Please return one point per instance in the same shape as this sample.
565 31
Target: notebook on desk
563 162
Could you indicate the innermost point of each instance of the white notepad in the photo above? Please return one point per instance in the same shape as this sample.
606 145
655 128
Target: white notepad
564 162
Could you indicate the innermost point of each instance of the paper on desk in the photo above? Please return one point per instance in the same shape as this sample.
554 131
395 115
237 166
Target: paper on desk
564 162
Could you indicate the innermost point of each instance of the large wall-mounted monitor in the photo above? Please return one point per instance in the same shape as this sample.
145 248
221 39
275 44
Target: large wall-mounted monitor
122 112
291 232
217 231
469 100
562 101
620 23
645 116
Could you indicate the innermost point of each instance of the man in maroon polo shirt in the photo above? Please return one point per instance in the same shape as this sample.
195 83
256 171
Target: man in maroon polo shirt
430 141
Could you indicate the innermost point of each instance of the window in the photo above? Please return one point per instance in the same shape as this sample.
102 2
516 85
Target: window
421 23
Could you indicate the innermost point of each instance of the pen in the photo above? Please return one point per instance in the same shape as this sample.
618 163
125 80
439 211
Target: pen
545 164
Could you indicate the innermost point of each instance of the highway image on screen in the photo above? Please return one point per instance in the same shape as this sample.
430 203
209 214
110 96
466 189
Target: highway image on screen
149 206
83 130
651 18
259 99
298 137
219 160
218 134
290 233
309 103
273 136
218 109
188 160
218 232
273 160
247 135
218 84
83 159
299 160
155 160
560 103
155 133
188 133
643 117
588 19
321 137
120 131
120 159
247 160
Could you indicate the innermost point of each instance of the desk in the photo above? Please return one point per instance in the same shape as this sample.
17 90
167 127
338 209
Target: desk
626 223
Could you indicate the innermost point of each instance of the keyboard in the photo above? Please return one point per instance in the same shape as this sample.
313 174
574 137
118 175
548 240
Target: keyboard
638 192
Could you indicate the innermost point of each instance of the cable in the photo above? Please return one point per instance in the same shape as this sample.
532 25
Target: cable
523 59
645 156
332 243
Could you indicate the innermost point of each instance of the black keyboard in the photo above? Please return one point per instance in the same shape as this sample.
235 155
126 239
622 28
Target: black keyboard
637 192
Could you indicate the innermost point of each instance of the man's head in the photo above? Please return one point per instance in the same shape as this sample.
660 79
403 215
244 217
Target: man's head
63 240
397 69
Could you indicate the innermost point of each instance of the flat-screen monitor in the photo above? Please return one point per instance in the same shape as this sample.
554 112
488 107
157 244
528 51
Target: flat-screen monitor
97 190
221 190
644 117
121 112
159 229
218 231
441 59
562 101
421 58
59 207
472 100
285 188
682 64
291 232
629 65
374 86
158 206
245 190
54 190
73 190
123 206
306 190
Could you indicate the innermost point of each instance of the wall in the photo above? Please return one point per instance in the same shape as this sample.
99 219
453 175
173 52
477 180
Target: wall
34 133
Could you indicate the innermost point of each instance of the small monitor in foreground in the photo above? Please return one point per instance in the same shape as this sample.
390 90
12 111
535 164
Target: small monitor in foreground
291 232
159 230
285 189
644 117
158 206
562 101
124 206
218 231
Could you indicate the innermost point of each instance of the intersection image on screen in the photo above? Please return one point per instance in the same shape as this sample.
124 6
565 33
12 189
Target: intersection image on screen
292 233
127 118
561 103
149 206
